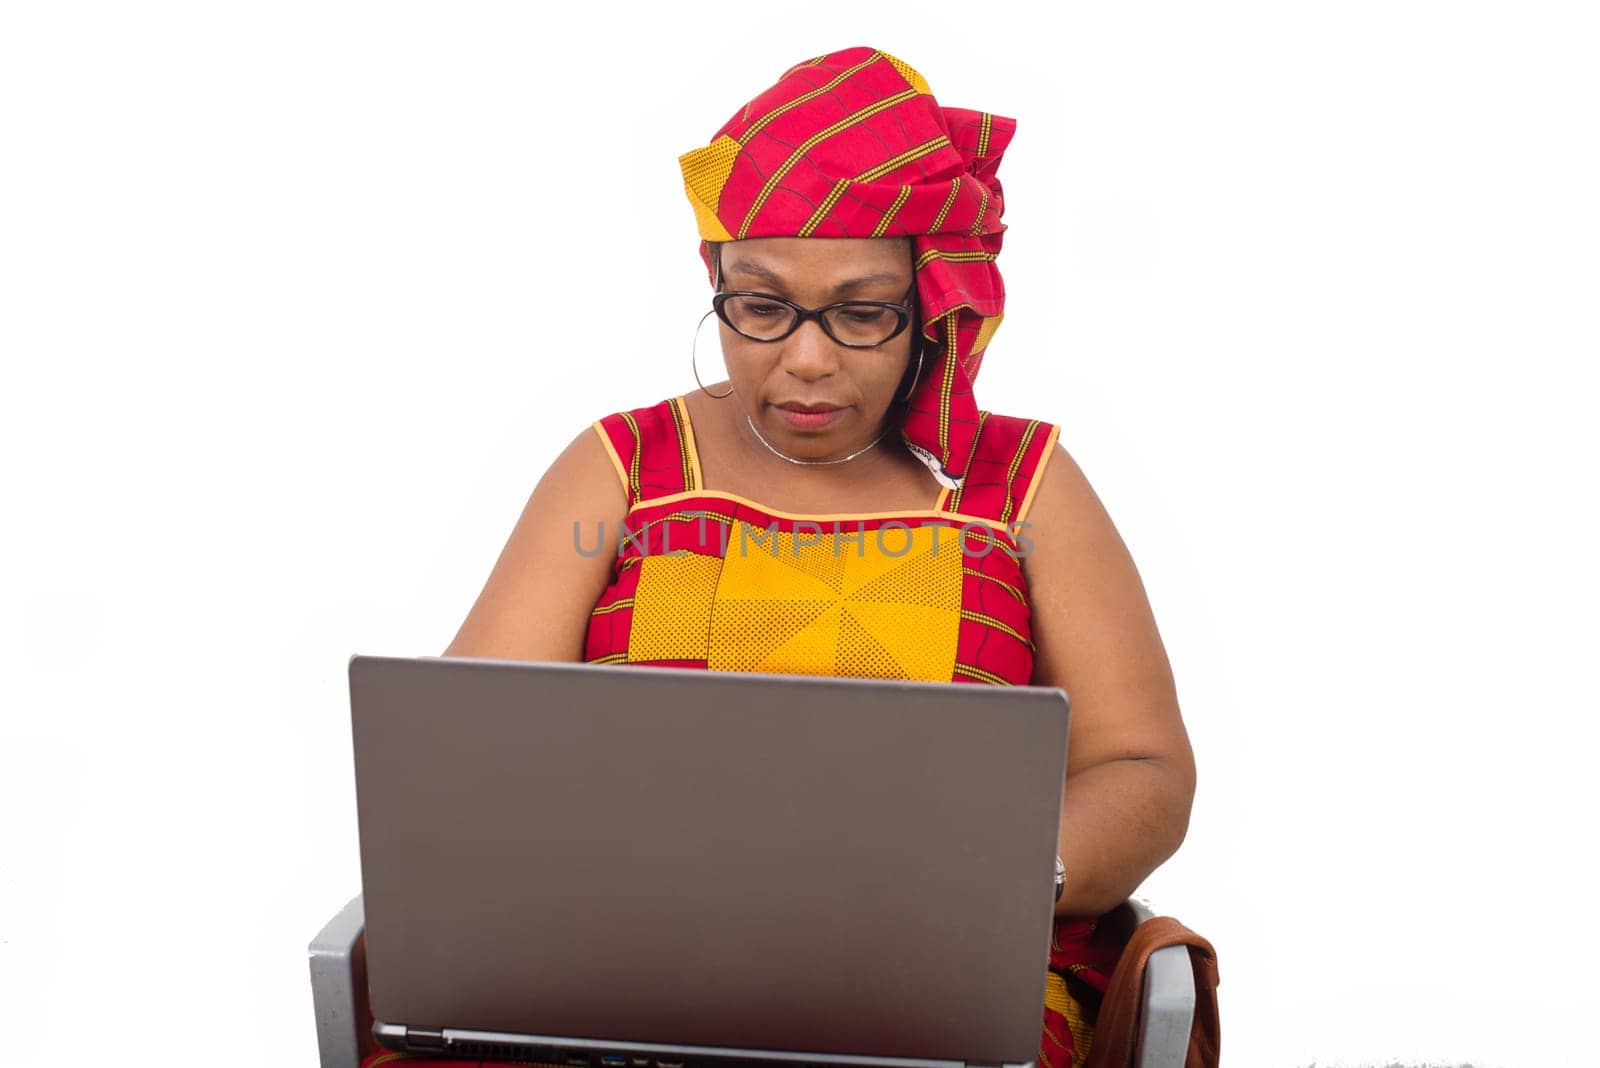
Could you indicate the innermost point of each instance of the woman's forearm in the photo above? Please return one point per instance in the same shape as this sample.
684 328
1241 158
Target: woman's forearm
1119 821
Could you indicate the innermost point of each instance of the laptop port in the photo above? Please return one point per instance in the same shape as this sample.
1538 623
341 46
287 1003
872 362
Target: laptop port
641 1062
613 1059
669 1064
574 1057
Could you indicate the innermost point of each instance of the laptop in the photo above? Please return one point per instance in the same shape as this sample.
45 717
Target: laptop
643 867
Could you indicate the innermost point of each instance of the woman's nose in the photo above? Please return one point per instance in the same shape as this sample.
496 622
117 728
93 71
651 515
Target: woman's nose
809 353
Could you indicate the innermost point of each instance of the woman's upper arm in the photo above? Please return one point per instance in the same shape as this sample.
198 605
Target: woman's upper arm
1094 633
536 603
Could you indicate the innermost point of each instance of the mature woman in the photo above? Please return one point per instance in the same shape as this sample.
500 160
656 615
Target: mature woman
850 228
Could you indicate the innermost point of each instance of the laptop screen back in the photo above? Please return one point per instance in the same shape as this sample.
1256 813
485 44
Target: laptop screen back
671 856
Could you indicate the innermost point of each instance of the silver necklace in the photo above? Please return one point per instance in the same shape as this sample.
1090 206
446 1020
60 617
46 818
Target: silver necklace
796 460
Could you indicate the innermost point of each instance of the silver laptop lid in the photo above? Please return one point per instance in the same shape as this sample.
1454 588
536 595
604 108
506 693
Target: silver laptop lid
703 859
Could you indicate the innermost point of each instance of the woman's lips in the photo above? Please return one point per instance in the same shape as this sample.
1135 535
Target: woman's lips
801 419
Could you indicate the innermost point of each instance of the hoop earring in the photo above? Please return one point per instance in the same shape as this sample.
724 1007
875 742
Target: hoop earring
694 361
916 377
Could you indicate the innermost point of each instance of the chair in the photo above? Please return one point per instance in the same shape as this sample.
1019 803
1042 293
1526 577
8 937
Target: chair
339 995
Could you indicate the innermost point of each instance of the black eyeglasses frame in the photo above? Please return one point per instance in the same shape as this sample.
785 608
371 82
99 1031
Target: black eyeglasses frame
906 314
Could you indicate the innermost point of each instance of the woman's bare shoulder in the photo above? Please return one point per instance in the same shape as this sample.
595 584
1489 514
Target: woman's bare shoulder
588 473
536 602
1074 549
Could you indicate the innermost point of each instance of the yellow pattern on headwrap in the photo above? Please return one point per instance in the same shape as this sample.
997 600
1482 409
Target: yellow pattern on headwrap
909 73
986 330
705 172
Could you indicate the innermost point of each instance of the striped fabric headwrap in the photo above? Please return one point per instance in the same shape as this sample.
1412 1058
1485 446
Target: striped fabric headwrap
853 144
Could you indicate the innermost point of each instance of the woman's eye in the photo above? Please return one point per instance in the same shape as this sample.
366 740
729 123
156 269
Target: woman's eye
764 310
866 316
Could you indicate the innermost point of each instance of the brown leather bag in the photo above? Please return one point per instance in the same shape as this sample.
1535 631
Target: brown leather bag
1116 1029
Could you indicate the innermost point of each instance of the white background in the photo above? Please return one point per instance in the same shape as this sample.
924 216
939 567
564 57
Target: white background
298 300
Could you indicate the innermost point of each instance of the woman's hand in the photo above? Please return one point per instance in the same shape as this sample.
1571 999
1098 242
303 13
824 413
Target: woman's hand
1130 770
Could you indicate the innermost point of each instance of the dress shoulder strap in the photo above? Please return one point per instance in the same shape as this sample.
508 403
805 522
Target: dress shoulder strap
1008 456
652 449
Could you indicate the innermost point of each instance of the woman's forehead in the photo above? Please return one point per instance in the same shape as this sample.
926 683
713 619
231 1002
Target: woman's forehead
824 261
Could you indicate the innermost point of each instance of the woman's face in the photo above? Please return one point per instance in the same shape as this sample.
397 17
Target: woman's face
849 390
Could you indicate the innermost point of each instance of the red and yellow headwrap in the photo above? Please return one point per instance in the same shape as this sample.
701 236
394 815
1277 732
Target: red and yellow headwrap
853 144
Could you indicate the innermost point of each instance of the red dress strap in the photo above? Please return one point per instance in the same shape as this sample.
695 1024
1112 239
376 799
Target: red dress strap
1008 457
652 449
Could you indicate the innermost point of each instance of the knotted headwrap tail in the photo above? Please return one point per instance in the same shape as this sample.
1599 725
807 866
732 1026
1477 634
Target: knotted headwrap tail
853 144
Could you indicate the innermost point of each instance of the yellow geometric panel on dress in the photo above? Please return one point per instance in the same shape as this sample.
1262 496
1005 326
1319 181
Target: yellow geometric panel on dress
671 606
751 628
811 609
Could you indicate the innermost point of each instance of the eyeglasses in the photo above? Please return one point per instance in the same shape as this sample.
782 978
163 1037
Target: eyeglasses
855 324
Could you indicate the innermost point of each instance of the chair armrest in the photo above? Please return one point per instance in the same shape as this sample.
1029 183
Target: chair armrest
1167 1015
339 988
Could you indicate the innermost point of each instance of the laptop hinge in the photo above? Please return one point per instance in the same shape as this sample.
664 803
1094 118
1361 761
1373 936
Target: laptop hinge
424 1038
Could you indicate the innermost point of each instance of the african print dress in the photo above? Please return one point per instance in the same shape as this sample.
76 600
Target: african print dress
706 579
711 580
